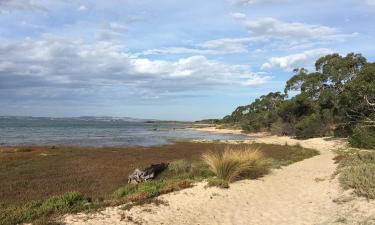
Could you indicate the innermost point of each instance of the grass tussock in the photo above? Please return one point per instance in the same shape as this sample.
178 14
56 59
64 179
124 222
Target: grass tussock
216 182
357 172
68 203
234 162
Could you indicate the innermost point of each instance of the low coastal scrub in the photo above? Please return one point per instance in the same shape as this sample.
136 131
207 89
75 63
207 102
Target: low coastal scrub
216 182
36 183
363 137
234 162
357 172
68 203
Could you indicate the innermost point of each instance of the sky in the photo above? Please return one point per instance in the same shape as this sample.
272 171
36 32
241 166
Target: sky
166 59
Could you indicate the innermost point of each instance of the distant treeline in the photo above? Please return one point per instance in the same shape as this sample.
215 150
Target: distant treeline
337 99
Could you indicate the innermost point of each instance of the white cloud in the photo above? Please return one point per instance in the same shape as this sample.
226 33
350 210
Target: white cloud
270 28
238 16
290 62
370 2
257 80
57 63
212 47
280 34
82 8
227 45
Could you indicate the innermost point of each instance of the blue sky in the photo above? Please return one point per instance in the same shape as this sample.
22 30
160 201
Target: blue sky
183 60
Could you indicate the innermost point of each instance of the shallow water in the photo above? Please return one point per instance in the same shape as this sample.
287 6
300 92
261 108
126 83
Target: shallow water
46 131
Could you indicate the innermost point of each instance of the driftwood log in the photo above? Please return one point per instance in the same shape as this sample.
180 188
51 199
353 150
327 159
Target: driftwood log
147 174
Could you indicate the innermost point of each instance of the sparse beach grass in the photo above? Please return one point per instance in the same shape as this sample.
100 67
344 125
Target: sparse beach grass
357 171
44 182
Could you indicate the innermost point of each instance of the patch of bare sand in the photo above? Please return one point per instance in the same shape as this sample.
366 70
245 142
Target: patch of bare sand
302 193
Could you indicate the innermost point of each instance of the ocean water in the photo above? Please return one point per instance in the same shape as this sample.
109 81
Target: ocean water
82 132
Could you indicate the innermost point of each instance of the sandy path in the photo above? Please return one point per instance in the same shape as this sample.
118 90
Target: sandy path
302 193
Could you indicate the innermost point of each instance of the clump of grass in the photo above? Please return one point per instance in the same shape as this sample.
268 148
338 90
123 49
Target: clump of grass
179 166
68 203
216 182
182 169
357 171
201 170
176 186
232 162
151 188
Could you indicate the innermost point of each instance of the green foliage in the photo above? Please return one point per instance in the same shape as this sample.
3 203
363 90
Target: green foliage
309 127
216 182
363 137
332 100
357 171
68 203
152 188
179 166
201 170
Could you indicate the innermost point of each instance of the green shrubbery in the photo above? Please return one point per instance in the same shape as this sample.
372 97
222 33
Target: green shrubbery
363 137
68 203
357 171
216 182
332 100
310 126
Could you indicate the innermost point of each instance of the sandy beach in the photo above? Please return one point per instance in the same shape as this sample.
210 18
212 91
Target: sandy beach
305 192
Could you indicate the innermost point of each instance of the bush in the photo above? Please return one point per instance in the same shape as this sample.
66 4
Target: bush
281 128
216 182
179 166
309 127
231 163
67 203
201 171
361 178
151 188
363 138
357 171
176 186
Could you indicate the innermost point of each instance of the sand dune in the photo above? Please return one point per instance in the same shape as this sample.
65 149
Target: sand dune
302 193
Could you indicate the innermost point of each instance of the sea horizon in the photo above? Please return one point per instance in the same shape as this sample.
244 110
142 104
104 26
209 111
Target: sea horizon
97 131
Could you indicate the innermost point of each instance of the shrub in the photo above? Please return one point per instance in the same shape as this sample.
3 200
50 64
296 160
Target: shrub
179 166
229 164
281 128
67 203
361 178
357 159
309 127
363 138
216 182
176 186
201 171
151 188
357 171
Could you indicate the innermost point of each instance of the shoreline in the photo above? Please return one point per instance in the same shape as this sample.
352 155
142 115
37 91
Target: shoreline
305 192
267 138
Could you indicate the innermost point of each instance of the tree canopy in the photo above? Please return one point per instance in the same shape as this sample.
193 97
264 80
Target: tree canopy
338 98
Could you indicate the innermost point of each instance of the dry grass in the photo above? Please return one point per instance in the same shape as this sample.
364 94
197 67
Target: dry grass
357 171
229 164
